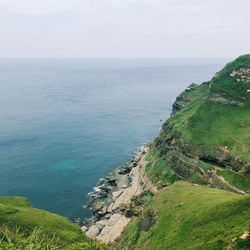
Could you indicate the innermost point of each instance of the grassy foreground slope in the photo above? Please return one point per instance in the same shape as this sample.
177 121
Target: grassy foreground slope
25 227
188 216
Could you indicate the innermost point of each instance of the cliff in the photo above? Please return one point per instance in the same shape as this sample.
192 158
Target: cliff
202 148
189 189
206 140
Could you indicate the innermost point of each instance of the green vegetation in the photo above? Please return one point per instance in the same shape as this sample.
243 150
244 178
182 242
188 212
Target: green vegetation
206 138
210 129
24 227
237 179
207 142
157 169
221 119
189 216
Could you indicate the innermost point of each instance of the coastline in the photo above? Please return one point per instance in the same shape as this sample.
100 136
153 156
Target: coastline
110 199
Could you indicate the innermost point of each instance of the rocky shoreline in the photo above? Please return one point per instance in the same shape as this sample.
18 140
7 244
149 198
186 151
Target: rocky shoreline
111 197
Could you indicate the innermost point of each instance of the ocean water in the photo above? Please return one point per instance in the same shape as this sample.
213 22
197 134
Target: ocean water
66 123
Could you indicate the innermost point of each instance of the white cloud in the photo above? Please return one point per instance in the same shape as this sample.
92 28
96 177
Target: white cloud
27 7
102 28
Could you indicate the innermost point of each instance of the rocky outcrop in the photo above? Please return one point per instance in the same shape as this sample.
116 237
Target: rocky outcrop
92 232
113 228
112 210
184 98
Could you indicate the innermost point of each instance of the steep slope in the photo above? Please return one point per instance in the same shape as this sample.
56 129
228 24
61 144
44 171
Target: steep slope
206 142
19 221
190 216
207 139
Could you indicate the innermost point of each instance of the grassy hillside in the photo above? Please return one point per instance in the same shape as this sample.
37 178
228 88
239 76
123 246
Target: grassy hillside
24 227
188 216
209 134
206 141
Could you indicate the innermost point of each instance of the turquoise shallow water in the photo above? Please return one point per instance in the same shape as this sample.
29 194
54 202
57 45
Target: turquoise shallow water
66 123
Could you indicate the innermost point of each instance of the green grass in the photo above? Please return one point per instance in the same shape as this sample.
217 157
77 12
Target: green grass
236 179
38 240
204 134
212 130
25 227
191 217
158 170
16 211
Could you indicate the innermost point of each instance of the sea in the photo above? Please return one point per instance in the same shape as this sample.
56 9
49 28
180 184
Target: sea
66 123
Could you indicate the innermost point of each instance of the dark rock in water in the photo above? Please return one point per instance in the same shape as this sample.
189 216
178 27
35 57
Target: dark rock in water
123 170
111 180
106 189
131 166
102 194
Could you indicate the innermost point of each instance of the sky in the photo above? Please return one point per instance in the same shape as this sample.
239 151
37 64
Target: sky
124 28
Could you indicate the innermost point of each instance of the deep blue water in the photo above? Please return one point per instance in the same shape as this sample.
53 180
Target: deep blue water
66 123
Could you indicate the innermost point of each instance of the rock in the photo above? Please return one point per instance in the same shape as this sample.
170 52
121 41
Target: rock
101 224
84 228
137 158
104 210
134 164
106 189
107 216
97 207
113 228
123 170
100 227
117 194
110 208
111 180
103 194
93 232
131 166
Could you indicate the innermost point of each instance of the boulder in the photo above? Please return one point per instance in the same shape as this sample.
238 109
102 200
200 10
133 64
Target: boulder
101 224
84 228
111 180
123 170
107 216
93 232
102 194
137 158
97 207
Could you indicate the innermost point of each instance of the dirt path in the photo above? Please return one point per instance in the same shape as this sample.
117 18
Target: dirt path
223 183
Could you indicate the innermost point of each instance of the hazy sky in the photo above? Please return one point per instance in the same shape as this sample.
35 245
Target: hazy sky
124 28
